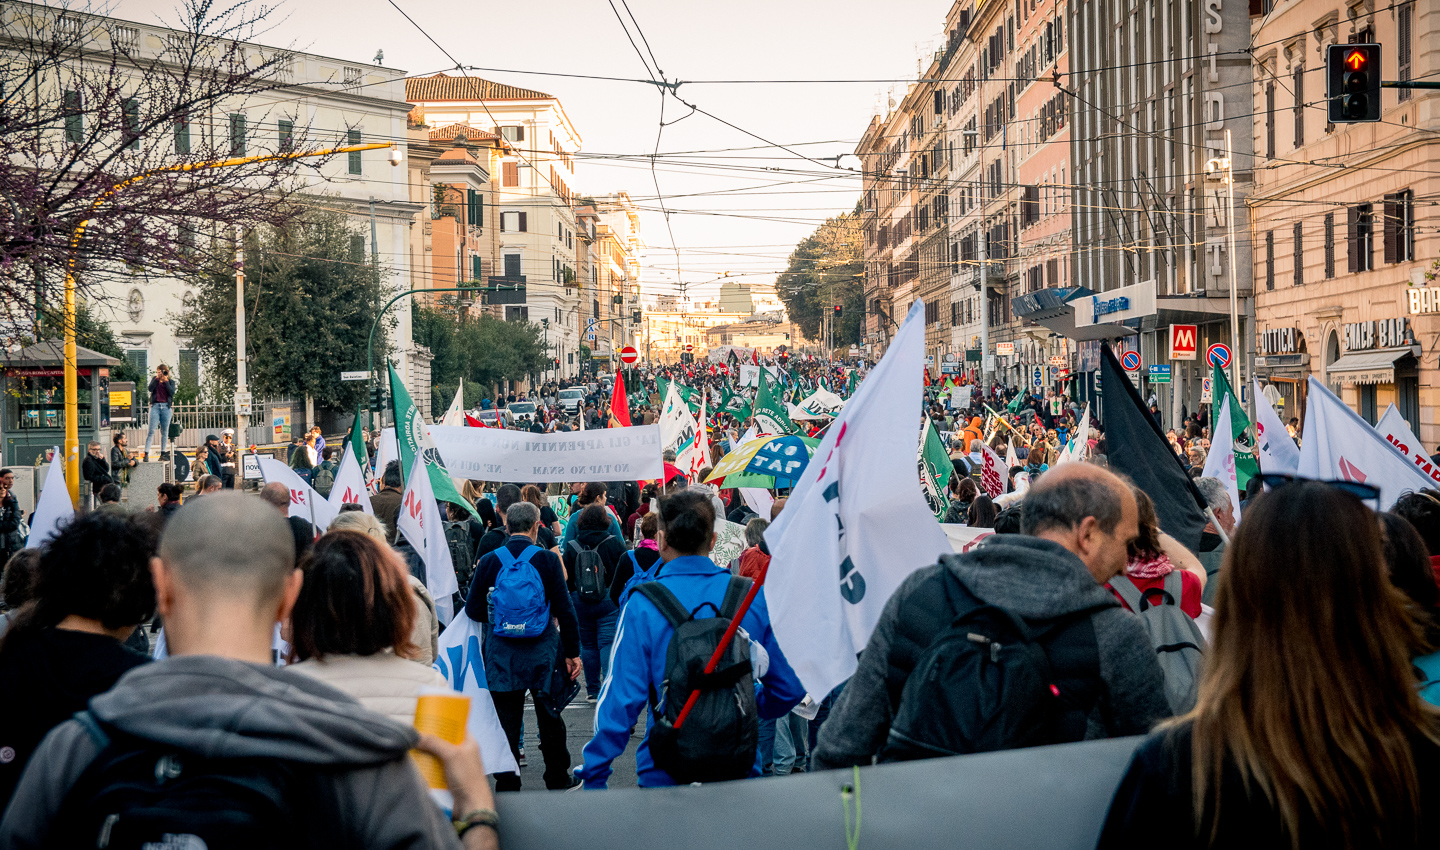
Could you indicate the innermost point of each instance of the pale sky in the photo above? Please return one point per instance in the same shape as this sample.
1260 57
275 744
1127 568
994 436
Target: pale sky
758 222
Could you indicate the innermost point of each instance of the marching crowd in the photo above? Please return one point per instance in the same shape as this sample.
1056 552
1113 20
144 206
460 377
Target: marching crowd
1285 674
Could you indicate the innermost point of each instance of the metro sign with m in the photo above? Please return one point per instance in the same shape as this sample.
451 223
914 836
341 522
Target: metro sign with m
1183 342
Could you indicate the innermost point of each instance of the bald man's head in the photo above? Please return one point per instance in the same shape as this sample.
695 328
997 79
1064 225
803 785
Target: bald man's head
230 542
276 494
1068 493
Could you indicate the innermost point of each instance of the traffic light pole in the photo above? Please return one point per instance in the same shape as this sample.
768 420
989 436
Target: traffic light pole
370 346
1407 84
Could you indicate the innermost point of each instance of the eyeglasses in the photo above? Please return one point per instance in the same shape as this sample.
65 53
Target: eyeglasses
1363 492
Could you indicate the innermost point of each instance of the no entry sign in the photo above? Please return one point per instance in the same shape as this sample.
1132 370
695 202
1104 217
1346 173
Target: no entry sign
629 355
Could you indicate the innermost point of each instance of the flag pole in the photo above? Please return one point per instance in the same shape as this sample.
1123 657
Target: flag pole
726 638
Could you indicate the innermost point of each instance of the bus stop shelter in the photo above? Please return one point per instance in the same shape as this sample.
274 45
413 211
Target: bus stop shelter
34 387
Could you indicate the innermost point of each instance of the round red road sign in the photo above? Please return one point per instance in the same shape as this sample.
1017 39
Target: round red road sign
629 355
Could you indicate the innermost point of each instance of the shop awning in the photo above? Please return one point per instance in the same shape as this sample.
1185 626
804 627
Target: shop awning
1370 367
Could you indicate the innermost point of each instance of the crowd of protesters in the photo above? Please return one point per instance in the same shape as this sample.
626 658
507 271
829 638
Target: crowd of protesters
1296 707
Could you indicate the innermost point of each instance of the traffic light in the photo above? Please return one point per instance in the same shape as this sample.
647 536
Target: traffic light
635 316
377 397
1352 82
839 311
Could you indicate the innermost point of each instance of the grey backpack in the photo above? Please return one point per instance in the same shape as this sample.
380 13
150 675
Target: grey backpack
1179 646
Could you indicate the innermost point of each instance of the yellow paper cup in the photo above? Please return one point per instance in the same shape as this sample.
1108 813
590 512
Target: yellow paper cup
444 716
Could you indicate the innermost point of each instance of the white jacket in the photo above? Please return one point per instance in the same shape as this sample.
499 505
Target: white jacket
383 682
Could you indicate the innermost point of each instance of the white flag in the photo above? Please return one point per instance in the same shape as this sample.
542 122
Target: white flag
672 419
388 450
350 485
1396 431
857 515
1220 462
54 508
304 501
455 413
1275 450
994 474
1340 445
1012 459
459 660
700 455
1076 448
422 526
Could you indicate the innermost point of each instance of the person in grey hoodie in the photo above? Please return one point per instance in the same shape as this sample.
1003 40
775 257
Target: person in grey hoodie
1078 521
219 696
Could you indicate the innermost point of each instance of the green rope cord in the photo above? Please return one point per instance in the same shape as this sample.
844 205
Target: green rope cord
849 794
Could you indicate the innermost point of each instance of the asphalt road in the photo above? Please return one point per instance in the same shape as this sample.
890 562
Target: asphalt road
579 719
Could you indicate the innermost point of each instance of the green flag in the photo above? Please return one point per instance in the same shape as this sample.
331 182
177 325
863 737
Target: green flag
414 441
1246 466
735 404
770 414
356 440
850 383
935 470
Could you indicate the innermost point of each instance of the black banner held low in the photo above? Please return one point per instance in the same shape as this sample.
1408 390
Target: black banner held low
1137 447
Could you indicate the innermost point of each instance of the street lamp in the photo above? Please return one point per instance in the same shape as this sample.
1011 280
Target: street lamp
72 375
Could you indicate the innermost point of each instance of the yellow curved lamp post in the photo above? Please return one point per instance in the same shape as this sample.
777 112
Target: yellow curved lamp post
72 409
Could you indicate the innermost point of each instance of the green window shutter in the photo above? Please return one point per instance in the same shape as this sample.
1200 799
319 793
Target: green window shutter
182 136
131 110
237 135
139 360
357 248
287 135
353 137
74 121
471 202
475 269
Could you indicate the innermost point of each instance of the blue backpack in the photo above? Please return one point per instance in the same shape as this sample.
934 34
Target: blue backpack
639 577
518 608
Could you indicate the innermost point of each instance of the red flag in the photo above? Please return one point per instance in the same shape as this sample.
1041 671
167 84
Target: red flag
473 422
755 356
619 404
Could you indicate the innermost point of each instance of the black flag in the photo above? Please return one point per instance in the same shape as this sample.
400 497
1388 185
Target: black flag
1136 447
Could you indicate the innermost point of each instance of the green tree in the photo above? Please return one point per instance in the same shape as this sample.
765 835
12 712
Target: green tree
825 269
308 311
483 350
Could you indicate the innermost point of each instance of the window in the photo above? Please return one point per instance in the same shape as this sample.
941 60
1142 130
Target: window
473 212
74 117
1299 106
357 248
512 265
513 222
1297 257
139 359
1269 259
287 135
1359 237
1404 14
595 308
352 137
513 133
517 314
1399 227
188 367
476 268
182 135
510 173
237 134
1270 121
130 111
1329 245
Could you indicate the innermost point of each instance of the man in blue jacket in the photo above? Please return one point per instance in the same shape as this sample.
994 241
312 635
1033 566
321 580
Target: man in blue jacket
642 639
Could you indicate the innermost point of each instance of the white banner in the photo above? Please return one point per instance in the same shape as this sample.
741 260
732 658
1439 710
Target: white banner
304 501
994 474
1340 445
857 523
494 454
349 485
421 524
1220 462
1396 431
460 661
1276 451
54 508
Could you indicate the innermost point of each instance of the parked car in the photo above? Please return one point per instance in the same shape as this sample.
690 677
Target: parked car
570 398
494 418
521 412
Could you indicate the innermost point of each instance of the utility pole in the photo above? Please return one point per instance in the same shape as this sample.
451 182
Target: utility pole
984 284
242 390
1235 384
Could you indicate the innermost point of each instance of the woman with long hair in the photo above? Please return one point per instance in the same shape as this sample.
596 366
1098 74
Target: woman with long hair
981 513
1308 730
425 633
352 621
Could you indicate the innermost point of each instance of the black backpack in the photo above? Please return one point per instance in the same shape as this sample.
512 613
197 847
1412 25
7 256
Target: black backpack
719 738
979 678
462 554
591 579
143 794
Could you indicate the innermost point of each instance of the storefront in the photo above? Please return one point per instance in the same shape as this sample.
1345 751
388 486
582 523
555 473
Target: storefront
1380 366
34 413
1283 363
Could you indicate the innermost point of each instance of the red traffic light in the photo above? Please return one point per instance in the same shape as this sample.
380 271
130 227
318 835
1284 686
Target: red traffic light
1356 59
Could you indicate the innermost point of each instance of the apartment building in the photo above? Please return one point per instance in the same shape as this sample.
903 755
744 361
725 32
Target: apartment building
1160 94
324 100
618 294
532 201
456 244
1342 255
